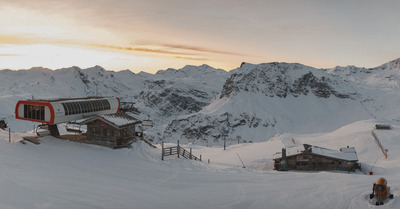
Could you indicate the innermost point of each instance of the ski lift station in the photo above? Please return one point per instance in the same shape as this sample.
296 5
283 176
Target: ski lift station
106 125
55 111
64 110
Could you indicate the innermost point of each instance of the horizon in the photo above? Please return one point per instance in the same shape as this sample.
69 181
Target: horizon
154 72
154 35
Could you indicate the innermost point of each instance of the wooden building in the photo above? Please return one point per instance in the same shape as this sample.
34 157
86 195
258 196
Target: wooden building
112 130
315 158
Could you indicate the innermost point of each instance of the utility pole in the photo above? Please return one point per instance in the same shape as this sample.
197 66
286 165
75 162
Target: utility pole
224 141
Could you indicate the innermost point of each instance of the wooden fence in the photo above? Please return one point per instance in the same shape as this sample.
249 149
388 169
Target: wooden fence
384 151
179 151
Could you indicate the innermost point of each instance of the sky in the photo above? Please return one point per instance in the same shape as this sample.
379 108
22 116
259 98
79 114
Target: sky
150 35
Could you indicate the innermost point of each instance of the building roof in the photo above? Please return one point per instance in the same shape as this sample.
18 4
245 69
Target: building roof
68 99
347 153
118 120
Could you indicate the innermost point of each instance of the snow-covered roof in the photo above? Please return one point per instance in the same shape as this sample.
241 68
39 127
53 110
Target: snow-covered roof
347 153
118 119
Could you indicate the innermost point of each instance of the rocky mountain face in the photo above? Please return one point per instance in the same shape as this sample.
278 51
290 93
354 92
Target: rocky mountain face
281 80
178 92
252 98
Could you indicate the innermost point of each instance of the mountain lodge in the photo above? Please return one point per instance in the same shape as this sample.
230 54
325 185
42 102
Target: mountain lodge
316 158
112 130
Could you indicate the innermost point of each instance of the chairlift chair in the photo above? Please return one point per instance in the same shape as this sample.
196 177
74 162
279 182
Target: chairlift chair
42 130
73 127
148 122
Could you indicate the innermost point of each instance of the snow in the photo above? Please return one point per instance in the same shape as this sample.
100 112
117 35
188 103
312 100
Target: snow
119 120
348 154
63 174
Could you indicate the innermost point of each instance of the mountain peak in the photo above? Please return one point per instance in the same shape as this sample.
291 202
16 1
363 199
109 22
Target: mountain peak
394 64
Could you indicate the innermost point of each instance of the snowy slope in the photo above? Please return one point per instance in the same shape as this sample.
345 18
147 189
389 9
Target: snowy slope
62 174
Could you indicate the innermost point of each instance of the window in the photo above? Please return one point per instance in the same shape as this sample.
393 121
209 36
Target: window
65 108
25 111
75 109
91 104
85 107
34 112
41 112
78 108
71 108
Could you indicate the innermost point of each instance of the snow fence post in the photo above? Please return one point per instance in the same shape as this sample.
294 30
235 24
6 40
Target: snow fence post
224 135
162 151
9 134
178 148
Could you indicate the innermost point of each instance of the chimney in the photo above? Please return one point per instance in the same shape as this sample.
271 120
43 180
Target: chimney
284 160
283 153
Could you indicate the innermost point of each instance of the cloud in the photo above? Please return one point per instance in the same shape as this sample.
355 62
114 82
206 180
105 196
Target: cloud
201 49
146 50
9 55
161 51
177 54
194 49
16 39
192 58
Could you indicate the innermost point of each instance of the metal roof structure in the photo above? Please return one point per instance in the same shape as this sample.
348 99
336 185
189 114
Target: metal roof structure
346 153
117 120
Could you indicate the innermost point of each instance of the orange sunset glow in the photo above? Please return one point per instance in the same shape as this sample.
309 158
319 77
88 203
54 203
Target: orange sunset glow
153 35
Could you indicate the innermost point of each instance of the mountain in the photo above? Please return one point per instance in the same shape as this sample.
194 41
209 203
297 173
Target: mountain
204 104
260 101
162 96
175 92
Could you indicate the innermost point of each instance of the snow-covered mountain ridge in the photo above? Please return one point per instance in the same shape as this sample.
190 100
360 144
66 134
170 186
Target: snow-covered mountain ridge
200 102
283 79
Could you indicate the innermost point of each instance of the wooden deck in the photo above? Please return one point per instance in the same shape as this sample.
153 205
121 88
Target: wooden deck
32 139
75 138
